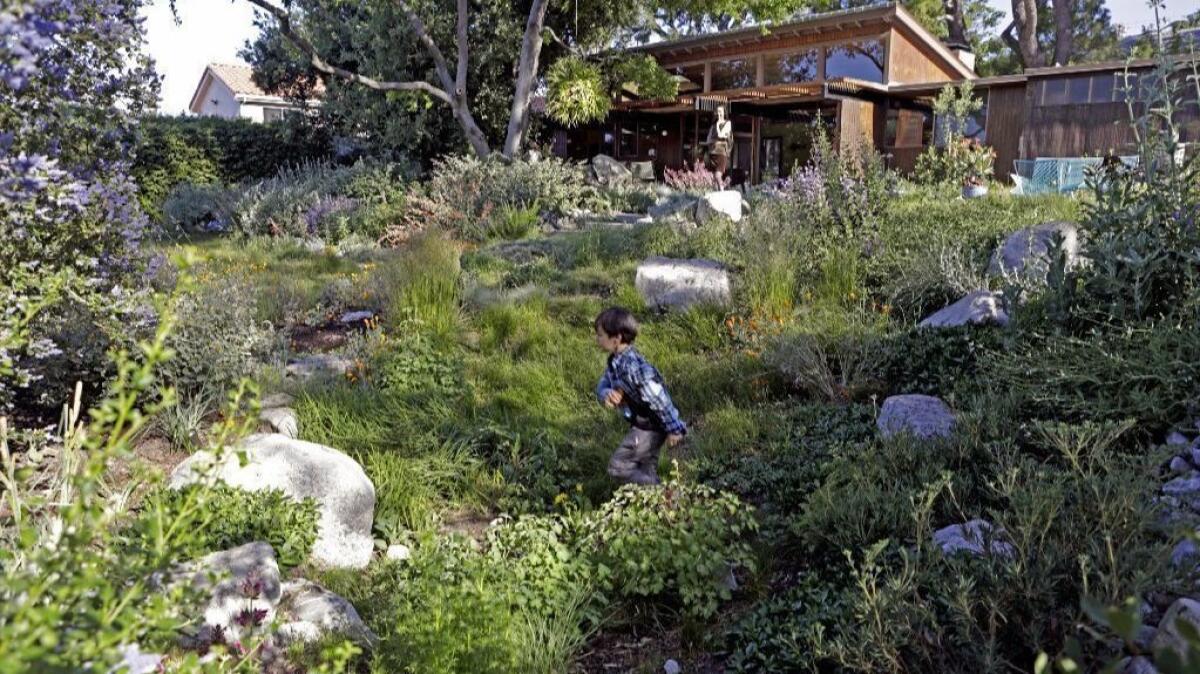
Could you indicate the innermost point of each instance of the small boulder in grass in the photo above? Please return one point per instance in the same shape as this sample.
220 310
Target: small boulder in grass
977 537
1180 465
982 307
924 417
313 612
1136 665
1185 552
1177 438
1187 485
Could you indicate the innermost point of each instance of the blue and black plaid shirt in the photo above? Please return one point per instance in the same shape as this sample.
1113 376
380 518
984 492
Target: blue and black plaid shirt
646 400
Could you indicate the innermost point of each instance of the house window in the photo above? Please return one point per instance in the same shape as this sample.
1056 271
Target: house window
274 114
733 74
694 74
627 139
974 127
1104 87
861 60
789 68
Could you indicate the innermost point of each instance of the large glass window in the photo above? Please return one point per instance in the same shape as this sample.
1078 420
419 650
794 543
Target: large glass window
789 68
1103 87
858 60
733 74
694 74
1107 87
973 127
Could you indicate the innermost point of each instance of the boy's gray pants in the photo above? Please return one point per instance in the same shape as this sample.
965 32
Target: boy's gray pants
636 460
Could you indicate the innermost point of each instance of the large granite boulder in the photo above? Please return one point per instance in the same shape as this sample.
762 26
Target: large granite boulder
608 171
343 492
678 205
1026 254
642 170
921 416
722 204
679 284
977 308
976 537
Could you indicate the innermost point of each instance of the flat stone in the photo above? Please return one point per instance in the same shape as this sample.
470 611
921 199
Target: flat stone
134 661
245 577
342 490
1026 253
678 205
642 170
1177 438
679 284
608 171
319 365
922 416
312 612
977 537
352 317
282 420
977 308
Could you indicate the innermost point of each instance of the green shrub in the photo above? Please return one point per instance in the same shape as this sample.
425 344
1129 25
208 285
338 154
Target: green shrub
190 207
201 150
780 633
939 362
473 189
219 339
514 222
831 354
219 518
423 285
679 540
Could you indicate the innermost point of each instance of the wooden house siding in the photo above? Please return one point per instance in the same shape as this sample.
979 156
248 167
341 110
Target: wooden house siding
856 124
909 64
1005 122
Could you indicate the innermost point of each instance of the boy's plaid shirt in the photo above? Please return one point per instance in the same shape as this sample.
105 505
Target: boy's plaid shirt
642 386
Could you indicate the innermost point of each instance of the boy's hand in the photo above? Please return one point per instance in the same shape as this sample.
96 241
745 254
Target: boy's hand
674 439
613 398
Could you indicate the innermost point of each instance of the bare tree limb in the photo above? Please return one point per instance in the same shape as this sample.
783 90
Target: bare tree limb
460 77
422 33
321 65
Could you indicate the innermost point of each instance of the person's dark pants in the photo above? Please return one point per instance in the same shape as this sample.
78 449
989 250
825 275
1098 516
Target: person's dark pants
636 460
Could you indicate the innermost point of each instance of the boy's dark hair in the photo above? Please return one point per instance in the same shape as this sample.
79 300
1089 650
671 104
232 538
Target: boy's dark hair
618 322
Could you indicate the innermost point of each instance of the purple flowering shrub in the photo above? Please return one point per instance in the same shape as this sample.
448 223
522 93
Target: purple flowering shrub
71 80
696 179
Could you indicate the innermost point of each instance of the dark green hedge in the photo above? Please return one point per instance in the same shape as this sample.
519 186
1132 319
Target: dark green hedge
171 150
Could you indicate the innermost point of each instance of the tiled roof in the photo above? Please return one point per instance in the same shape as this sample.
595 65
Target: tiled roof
238 78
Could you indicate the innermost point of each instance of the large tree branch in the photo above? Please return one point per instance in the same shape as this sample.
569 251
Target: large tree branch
321 65
439 60
460 77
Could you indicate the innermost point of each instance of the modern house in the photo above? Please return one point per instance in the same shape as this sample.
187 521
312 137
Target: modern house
870 74
229 91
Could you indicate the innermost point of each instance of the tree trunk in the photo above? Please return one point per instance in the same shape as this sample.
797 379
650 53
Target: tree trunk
474 134
956 24
1063 31
1025 43
527 68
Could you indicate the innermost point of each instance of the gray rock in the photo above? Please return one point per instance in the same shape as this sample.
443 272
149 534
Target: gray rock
352 317
134 661
1180 465
1169 637
337 483
671 667
977 537
677 205
1177 438
1145 637
282 420
1026 254
276 400
608 171
922 416
642 170
1194 454
311 612
1183 486
725 203
978 307
319 365
236 579
398 552
679 284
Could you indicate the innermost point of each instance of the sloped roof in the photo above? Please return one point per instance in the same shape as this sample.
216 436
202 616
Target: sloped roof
240 80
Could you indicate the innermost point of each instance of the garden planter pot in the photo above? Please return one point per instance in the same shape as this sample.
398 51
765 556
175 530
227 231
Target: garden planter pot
974 191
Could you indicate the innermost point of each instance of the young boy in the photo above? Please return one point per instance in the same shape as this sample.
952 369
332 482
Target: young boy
636 387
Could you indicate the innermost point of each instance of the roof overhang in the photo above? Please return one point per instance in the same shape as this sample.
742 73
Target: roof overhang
767 95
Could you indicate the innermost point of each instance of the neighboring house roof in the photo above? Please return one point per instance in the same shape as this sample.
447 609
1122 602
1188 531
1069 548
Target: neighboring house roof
239 79
818 22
